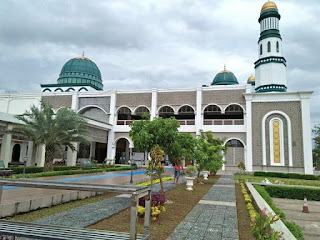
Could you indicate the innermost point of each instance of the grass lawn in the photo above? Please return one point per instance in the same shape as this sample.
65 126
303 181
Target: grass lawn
288 181
183 203
44 212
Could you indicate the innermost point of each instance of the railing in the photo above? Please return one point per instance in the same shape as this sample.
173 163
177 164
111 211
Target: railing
124 122
187 122
223 122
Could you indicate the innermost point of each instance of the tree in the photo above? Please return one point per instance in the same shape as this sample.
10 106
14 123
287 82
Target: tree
155 165
208 153
316 148
146 135
43 127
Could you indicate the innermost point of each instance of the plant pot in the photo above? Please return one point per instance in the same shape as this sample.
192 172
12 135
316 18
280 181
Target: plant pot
205 175
190 183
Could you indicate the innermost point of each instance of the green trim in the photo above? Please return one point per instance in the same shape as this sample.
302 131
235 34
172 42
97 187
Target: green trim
82 89
47 89
270 59
58 89
269 13
269 33
271 88
68 90
71 85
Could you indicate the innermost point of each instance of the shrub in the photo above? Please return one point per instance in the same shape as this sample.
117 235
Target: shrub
287 175
157 199
19 170
294 229
293 192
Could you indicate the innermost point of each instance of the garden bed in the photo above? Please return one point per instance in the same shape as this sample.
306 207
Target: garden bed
243 216
183 202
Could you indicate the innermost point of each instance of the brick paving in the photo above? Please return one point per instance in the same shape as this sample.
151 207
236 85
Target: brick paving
214 217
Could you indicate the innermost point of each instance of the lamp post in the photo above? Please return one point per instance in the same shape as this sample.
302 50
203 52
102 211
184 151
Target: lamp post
130 159
25 160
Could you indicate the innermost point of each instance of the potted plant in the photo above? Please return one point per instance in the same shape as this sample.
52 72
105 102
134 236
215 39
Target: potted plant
205 175
190 171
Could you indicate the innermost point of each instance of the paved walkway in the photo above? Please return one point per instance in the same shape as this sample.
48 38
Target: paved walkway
89 214
214 217
310 222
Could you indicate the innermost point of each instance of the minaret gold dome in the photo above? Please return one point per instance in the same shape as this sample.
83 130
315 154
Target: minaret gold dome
251 79
269 5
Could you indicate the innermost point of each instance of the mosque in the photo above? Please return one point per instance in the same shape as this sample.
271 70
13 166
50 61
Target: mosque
267 126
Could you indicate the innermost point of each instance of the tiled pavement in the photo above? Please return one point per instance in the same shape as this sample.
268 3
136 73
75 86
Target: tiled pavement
214 217
89 214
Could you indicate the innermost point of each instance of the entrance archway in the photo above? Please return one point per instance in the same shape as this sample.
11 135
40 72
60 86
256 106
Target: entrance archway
122 151
101 152
235 153
16 153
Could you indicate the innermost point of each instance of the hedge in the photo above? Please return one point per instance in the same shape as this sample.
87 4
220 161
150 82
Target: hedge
71 172
294 228
19 170
293 192
286 175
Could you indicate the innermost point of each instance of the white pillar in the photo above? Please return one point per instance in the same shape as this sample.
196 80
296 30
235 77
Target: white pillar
75 101
306 133
72 155
154 100
40 155
6 147
92 150
199 116
29 153
110 152
248 124
112 119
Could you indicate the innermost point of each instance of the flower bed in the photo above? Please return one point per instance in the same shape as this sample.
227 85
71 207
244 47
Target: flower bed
164 179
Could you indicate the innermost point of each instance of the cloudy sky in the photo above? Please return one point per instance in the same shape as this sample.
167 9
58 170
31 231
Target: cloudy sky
152 43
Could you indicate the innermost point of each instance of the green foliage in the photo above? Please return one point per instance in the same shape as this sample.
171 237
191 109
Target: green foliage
191 170
294 229
293 192
208 152
43 127
147 134
316 149
286 175
70 172
261 227
19 170
154 168
242 166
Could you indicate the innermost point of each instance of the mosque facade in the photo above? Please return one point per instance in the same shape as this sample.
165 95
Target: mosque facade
267 127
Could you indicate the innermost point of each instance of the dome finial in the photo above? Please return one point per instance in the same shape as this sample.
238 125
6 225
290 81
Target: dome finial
224 67
83 53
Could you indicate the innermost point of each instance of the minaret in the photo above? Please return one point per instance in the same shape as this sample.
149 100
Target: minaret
270 69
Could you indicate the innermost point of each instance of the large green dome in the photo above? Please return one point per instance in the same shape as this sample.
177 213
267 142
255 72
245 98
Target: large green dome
81 71
225 77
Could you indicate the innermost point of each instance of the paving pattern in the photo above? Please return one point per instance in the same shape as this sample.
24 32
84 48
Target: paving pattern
214 217
89 214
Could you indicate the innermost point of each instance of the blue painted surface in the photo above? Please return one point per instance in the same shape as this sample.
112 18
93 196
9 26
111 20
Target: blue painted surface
88 178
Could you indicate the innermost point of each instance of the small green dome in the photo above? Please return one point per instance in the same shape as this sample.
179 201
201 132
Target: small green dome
225 77
81 71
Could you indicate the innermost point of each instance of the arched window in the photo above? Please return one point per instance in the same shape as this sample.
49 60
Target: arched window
277 46
234 112
124 113
166 112
139 112
269 46
260 49
185 112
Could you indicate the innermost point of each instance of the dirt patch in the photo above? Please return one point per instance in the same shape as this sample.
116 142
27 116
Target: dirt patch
244 227
183 203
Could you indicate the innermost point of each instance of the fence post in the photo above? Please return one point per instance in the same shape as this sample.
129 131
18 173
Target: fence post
147 213
133 216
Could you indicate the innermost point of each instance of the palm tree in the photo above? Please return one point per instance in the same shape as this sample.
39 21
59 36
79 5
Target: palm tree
43 127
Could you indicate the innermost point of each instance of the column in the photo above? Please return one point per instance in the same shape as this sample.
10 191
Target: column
112 119
5 147
40 155
72 155
92 150
75 101
199 117
306 132
154 101
248 123
29 153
